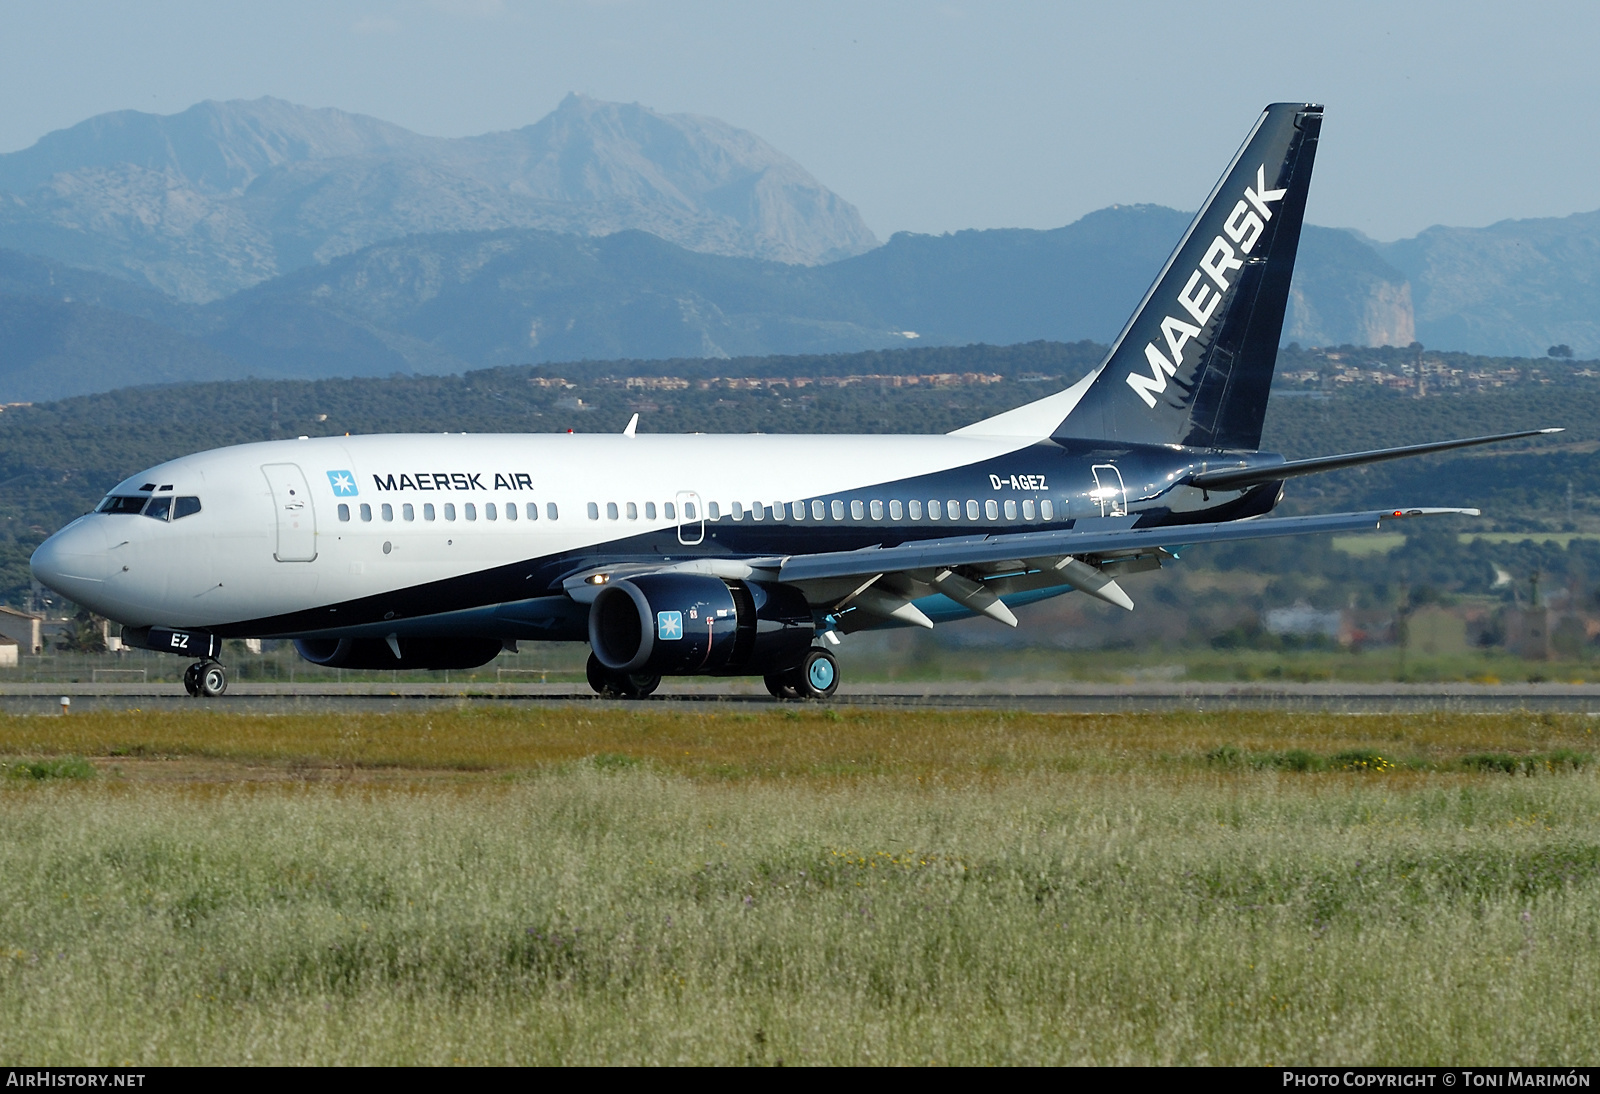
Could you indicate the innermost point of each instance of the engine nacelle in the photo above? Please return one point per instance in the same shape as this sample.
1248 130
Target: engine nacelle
415 653
691 624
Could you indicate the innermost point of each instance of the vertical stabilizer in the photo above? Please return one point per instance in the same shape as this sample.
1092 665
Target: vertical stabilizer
1194 364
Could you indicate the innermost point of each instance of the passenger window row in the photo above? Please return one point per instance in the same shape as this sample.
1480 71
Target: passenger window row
819 510
632 509
469 510
897 510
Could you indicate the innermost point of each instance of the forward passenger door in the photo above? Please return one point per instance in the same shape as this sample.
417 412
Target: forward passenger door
297 519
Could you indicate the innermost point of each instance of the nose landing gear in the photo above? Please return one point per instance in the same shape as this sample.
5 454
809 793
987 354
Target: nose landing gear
205 679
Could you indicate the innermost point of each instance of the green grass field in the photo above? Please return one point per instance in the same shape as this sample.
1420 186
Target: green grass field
585 885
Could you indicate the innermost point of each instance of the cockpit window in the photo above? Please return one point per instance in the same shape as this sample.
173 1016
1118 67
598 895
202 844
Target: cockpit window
185 507
118 503
158 508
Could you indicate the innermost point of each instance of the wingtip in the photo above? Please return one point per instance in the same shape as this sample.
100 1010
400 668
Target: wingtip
1554 429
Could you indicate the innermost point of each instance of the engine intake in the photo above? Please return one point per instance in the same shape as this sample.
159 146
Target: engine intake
415 653
692 624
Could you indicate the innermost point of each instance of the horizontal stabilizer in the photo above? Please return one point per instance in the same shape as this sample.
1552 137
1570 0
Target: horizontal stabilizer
1236 478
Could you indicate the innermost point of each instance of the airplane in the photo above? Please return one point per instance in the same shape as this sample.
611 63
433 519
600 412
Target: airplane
747 555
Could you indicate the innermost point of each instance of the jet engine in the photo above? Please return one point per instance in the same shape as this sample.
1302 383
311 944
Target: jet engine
690 624
415 653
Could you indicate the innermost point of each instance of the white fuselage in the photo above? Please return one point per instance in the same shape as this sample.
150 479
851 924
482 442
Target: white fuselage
250 555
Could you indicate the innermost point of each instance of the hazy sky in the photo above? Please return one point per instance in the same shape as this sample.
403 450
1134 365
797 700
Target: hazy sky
930 117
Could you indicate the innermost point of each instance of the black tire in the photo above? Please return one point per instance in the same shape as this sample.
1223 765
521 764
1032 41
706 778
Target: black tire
639 686
615 685
213 680
601 679
817 676
191 679
780 685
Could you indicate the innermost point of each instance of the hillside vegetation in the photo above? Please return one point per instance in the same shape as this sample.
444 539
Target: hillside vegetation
57 459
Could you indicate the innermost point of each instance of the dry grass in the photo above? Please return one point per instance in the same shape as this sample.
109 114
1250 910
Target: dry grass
589 885
776 743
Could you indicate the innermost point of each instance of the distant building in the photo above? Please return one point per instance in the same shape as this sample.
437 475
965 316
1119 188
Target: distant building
8 652
1302 621
23 628
1528 632
1436 631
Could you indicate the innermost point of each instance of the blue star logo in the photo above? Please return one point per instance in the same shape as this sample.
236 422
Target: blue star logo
669 626
344 484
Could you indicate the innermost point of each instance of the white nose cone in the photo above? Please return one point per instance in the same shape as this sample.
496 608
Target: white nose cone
75 561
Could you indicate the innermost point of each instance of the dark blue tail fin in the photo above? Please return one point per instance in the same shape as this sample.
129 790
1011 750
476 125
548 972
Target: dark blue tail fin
1194 364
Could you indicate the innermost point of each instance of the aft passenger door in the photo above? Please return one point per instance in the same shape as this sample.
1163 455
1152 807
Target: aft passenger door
1109 491
691 518
297 520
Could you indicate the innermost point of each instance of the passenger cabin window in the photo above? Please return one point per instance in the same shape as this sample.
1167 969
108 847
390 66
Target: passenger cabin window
916 509
856 512
408 511
896 510
159 508
838 510
533 510
344 511
991 508
670 510
611 510
1047 509
632 510
817 511
935 509
689 511
366 511
758 512
1011 510
472 511
877 510
427 510
511 511
594 510
798 510
552 512
449 510
649 510
738 511
972 509
387 511
1027 509
713 511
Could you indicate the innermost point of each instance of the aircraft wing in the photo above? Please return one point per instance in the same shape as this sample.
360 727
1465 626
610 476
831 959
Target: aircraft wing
877 585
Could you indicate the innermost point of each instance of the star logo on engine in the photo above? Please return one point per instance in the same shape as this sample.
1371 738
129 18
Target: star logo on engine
343 483
669 626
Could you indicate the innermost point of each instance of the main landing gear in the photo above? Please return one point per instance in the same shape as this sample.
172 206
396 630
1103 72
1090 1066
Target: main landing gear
609 684
816 677
205 679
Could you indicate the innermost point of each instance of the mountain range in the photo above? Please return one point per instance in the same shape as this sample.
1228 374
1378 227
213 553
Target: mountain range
263 238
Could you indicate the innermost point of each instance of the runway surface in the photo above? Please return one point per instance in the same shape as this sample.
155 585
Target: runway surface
1063 698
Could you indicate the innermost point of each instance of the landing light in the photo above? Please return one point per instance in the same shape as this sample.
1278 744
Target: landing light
597 579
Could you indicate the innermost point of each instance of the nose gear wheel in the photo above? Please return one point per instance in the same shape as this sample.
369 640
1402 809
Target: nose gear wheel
205 679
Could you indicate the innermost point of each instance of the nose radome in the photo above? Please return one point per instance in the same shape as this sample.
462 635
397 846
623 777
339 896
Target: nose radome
74 561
